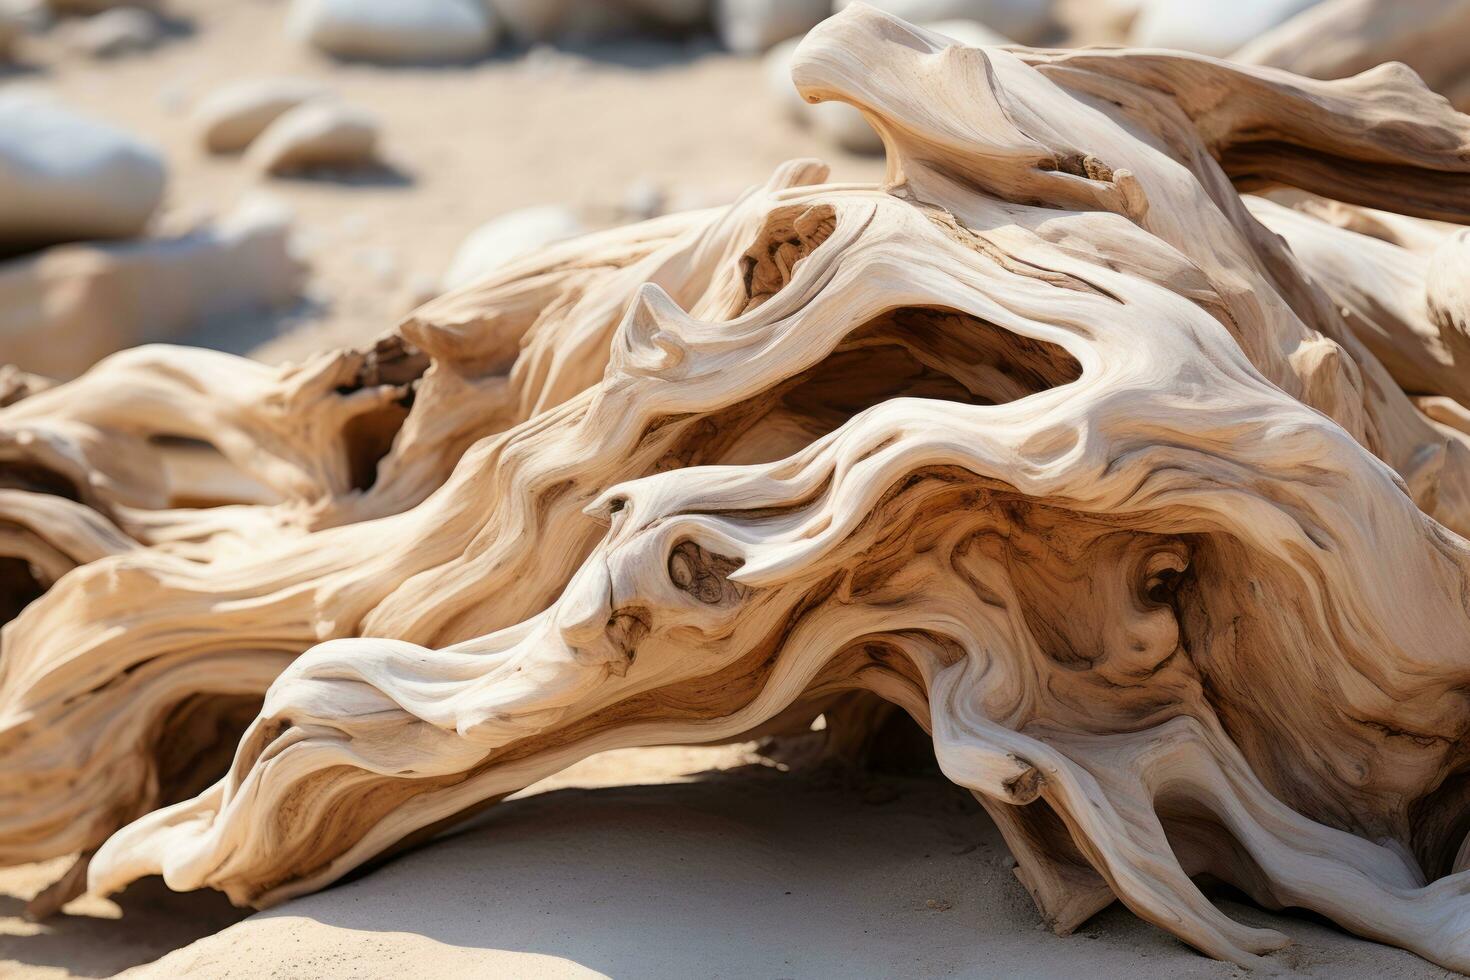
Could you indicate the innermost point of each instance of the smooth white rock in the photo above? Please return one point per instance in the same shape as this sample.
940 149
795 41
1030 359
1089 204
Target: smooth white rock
673 14
844 126
231 118
66 307
508 237
414 31
643 199
777 68
119 31
1025 20
970 33
94 6
543 20
315 135
33 15
65 177
753 26
1208 26
837 122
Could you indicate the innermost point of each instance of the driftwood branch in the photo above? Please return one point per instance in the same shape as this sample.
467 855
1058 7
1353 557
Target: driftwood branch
1143 497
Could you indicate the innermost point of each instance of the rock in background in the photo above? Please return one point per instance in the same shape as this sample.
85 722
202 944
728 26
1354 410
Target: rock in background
1027 21
65 177
231 118
94 6
316 135
508 237
116 32
1209 26
753 26
420 31
1343 37
530 21
68 306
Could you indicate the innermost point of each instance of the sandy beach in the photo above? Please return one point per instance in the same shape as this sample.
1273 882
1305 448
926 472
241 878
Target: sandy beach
664 863
669 862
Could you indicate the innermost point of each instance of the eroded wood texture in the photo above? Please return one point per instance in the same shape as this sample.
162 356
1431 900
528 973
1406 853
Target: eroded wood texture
1145 498
1337 38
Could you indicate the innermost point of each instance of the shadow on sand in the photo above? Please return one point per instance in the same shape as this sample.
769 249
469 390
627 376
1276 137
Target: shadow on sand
154 920
749 872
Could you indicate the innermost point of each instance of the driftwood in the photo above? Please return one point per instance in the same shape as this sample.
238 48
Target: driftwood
1153 523
1336 38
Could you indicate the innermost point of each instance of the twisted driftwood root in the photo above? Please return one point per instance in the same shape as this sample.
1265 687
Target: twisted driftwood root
1050 440
1336 38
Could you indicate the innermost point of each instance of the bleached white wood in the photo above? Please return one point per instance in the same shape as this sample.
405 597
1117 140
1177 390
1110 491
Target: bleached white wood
1047 440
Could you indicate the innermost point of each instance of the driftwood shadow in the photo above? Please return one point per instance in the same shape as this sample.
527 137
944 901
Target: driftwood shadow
752 872
154 922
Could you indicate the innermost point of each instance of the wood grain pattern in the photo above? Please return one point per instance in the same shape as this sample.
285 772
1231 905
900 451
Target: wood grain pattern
1144 497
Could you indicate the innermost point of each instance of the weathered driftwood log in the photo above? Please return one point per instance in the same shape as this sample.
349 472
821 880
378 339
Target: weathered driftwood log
1048 440
1337 38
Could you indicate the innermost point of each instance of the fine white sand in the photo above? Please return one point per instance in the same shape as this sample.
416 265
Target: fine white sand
743 872
663 863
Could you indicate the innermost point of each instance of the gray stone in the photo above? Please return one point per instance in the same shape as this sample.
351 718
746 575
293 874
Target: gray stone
414 31
753 26
231 118
1025 20
643 199
72 7
65 177
838 122
970 33
1207 26
544 20
508 237
116 32
64 308
316 135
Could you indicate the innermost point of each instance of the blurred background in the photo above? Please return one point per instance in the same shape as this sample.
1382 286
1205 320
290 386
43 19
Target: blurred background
275 177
